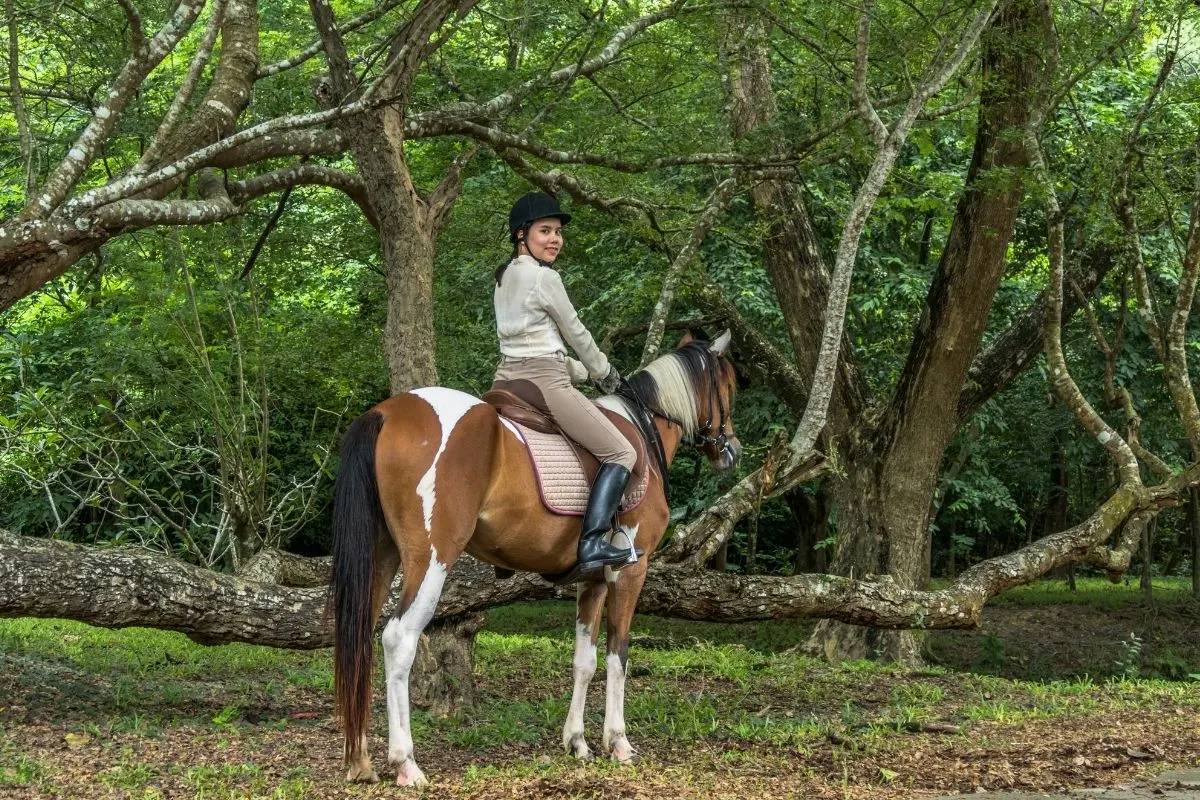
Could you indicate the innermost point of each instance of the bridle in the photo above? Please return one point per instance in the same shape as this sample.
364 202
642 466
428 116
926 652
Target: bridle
703 435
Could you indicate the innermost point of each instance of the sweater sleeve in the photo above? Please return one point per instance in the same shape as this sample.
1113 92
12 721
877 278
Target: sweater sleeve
554 298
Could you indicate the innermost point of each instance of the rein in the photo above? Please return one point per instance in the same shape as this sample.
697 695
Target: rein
645 424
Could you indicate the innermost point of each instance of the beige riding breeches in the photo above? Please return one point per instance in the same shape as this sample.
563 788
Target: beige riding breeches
573 412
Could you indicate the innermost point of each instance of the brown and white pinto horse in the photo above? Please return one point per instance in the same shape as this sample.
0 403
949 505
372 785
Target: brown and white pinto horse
433 473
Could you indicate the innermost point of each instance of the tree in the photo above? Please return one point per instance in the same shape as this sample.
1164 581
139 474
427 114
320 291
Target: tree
413 102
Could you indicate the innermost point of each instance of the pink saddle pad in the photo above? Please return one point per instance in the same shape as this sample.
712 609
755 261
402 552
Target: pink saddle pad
561 481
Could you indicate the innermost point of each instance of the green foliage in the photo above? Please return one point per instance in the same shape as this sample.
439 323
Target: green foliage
195 410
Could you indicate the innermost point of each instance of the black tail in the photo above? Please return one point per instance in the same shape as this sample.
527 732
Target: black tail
357 521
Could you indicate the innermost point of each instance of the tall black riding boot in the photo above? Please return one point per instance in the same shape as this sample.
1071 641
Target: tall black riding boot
595 552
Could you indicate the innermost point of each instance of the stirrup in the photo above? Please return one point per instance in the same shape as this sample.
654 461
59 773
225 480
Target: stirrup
593 571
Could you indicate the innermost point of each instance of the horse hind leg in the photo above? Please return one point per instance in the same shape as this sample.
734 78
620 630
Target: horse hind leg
401 637
589 604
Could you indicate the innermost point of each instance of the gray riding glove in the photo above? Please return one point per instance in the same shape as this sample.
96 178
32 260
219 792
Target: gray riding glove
609 383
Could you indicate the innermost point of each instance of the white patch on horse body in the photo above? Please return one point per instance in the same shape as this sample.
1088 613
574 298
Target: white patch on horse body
584 669
616 405
400 639
615 741
450 405
512 428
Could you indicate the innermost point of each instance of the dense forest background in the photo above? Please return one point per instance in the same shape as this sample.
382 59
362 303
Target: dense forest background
182 387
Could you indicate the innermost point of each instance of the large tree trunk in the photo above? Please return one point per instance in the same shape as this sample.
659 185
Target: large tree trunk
409 223
885 500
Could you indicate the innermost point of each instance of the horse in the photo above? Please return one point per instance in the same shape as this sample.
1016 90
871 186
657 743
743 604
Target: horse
430 474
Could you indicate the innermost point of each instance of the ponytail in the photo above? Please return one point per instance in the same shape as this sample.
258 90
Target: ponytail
500 269
516 243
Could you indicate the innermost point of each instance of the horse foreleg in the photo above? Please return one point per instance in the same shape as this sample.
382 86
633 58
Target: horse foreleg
589 602
400 639
622 599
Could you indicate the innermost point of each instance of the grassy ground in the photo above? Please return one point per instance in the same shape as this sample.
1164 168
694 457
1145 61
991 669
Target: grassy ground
1052 692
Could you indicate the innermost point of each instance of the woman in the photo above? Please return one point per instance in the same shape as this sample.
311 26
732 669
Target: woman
535 321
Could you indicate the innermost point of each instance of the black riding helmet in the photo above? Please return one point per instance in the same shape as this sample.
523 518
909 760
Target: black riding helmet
530 207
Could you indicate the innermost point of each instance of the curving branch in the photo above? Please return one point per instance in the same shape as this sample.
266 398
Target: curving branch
716 204
106 115
1060 376
186 89
500 139
825 374
1181 383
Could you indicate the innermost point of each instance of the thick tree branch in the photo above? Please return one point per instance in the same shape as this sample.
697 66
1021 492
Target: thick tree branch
825 374
1181 383
1060 377
500 139
442 198
119 587
184 95
862 100
105 117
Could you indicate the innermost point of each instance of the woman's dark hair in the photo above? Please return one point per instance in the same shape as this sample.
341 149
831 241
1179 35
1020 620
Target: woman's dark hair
524 230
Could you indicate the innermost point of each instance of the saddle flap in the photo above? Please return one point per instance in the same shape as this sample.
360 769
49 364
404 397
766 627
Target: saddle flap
515 408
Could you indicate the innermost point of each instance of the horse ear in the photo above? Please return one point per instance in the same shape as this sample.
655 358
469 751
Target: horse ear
687 337
722 343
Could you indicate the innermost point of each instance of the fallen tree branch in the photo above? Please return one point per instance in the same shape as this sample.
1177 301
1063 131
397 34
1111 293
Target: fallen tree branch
121 587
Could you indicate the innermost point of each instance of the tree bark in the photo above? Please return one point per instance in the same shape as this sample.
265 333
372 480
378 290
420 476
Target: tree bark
1194 524
121 587
883 508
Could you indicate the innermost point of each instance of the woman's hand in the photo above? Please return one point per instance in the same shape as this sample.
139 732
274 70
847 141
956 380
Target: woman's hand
610 382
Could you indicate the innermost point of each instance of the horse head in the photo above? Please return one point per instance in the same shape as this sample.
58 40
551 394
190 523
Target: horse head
715 383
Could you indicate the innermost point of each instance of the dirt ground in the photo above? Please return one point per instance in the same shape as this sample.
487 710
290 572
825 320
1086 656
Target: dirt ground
62 737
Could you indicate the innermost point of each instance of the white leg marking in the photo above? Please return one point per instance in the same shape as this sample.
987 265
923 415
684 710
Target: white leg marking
584 669
450 405
400 638
615 741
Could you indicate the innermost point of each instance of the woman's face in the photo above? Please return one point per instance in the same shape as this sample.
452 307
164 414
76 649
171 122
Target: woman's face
544 240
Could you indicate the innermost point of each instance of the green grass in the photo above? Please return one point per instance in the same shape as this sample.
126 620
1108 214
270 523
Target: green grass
1098 593
739 692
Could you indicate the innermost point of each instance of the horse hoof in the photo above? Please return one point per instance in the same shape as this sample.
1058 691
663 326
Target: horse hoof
362 774
580 750
410 774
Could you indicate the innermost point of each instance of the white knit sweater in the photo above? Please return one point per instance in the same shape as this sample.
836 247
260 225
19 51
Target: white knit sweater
534 316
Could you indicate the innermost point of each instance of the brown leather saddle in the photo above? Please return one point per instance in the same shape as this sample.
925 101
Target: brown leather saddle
521 401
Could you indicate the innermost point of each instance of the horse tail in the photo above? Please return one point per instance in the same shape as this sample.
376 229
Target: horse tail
357 521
